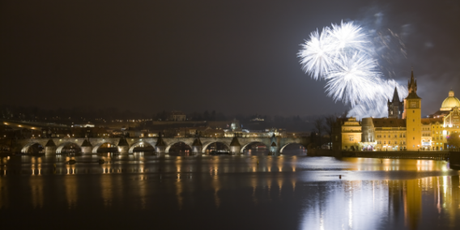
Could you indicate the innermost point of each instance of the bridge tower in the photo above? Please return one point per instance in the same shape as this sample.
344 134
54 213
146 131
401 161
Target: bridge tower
50 148
235 146
123 146
86 147
160 146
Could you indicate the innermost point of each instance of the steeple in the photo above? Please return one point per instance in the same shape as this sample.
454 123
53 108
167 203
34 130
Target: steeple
412 84
396 95
395 107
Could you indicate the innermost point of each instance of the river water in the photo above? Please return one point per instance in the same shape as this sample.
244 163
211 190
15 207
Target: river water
227 192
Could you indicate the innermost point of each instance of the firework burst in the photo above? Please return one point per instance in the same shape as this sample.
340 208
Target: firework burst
343 56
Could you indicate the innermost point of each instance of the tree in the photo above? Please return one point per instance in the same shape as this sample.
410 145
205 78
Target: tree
319 128
330 121
454 141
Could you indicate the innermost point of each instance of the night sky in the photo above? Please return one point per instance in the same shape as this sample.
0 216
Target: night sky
236 57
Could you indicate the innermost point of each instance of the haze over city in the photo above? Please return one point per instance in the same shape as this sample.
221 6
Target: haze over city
233 57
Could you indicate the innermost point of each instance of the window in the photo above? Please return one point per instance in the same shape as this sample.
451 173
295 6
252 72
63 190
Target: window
384 142
396 136
396 142
413 138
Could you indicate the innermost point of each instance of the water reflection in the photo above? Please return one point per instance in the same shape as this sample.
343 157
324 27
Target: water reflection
303 192
398 203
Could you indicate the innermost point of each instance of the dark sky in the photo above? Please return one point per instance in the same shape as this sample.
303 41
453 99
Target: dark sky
229 56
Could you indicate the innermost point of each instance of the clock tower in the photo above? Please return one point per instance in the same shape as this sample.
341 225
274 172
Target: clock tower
413 115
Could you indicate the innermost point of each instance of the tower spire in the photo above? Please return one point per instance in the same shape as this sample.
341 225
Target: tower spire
396 95
412 84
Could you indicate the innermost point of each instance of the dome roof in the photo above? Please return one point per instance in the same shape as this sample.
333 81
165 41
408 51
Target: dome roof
450 102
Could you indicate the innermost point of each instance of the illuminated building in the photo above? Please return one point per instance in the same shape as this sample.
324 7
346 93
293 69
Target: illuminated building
413 115
405 130
351 134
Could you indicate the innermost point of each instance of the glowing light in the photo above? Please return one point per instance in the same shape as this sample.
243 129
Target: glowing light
343 56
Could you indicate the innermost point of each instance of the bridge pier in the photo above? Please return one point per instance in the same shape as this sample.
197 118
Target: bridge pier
274 150
197 147
160 147
123 147
50 148
235 146
160 151
196 150
235 150
86 148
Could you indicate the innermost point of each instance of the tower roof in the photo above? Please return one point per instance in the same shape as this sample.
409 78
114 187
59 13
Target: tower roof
396 95
412 87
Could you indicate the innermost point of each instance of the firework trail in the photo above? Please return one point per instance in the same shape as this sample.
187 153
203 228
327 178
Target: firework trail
343 56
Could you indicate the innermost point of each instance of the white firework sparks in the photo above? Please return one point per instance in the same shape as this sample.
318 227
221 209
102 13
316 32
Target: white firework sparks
352 80
343 56
316 54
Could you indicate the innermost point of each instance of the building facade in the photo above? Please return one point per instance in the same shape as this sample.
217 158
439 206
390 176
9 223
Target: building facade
403 129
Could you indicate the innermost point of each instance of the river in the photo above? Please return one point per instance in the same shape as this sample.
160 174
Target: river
227 192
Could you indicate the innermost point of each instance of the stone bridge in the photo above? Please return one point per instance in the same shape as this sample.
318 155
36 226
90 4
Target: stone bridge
236 145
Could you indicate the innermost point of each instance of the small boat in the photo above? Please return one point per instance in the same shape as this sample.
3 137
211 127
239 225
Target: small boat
71 162
101 161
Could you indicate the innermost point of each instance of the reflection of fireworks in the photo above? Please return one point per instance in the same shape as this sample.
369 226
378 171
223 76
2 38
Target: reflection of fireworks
343 56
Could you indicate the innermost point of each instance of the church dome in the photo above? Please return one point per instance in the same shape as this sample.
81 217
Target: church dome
450 102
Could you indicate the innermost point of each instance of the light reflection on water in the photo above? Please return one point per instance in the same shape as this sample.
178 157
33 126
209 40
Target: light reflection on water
302 192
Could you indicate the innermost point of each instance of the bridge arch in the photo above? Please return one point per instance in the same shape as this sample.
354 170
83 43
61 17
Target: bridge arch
98 145
140 144
63 145
205 146
246 146
30 146
290 144
175 143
